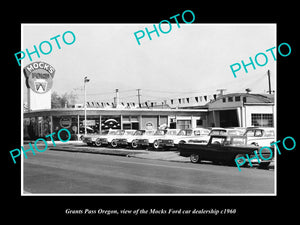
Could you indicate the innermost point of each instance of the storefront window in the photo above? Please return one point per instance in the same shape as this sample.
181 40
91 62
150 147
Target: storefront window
92 124
110 122
130 122
262 120
46 127
32 129
26 125
184 124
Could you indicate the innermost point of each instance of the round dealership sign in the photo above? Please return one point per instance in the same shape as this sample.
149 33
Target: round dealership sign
65 122
39 76
149 126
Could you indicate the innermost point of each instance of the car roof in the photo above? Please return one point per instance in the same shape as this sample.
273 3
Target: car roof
218 128
260 128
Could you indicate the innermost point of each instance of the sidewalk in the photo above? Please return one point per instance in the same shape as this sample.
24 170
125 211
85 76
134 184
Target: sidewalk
78 147
51 143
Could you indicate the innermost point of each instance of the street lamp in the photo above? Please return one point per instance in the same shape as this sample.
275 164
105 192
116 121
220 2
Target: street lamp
85 81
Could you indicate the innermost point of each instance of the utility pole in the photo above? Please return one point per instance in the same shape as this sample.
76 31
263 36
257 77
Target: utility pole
269 82
139 97
85 122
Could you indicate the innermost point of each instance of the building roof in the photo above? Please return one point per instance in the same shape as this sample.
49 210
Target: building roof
112 111
251 98
233 100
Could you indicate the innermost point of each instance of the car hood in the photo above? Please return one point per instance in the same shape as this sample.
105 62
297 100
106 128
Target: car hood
167 137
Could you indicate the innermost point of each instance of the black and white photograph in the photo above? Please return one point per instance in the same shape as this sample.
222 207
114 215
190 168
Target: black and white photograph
123 109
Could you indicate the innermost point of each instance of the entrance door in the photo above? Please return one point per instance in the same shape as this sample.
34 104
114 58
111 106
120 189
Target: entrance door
135 125
228 118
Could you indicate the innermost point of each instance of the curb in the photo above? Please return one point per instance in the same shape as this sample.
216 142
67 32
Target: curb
116 152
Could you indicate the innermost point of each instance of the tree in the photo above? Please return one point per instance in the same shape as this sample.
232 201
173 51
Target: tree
62 101
55 100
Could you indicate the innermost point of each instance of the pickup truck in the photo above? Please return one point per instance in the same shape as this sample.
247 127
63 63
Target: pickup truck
260 136
224 149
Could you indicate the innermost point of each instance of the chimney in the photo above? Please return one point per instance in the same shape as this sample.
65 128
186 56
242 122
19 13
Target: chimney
221 90
116 99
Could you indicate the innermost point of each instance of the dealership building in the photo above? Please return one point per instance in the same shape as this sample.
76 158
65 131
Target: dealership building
38 123
230 110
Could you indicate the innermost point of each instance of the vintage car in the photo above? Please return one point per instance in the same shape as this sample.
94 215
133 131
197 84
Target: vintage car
126 138
94 139
168 134
217 131
107 138
152 140
224 149
183 136
141 138
119 138
90 139
260 136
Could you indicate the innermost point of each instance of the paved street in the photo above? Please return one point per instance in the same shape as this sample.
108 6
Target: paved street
78 173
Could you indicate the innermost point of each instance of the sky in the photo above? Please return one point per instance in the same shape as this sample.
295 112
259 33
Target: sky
188 61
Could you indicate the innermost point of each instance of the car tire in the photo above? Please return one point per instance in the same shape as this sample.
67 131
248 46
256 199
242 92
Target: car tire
134 145
113 143
155 145
98 142
236 157
195 158
181 142
264 165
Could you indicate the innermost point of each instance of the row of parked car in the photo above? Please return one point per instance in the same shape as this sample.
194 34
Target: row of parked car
171 138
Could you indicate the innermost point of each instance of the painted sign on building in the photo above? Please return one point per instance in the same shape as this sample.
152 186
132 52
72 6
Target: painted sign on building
39 77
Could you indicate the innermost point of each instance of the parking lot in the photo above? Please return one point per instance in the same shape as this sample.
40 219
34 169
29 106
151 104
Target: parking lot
171 155
76 169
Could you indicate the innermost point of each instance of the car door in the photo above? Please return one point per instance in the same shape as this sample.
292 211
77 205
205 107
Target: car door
215 150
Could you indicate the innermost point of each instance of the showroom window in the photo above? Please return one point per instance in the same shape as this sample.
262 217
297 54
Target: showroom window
184 124
130 122
262 120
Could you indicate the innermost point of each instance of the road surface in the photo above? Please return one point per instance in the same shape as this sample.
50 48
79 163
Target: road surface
60 172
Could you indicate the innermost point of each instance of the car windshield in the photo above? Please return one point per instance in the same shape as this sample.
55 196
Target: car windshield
234 132
254 133
159 132
139 132
149 132
129 132
185 133
113 132
171 132
119 132
218 132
